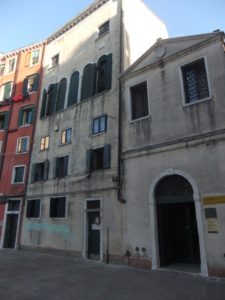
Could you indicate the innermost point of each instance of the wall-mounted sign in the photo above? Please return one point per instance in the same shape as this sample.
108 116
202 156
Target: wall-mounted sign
213 200
212 225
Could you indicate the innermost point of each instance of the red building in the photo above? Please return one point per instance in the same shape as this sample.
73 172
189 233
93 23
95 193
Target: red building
20 78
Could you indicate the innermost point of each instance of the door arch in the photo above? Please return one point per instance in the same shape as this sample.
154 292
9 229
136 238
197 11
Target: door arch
190 194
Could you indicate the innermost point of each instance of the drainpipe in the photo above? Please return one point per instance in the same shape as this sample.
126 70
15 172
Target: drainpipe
119 191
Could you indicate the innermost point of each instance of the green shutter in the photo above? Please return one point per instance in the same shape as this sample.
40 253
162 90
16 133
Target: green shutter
73 90
89 161
52 207
54 167
36 82
60 102
107 157
20 117
33 169
53 96
6 120
46 169
25 85
65 165
43 105
89 81
33 109
109 72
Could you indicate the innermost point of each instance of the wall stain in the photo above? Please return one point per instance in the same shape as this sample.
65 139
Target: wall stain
60 229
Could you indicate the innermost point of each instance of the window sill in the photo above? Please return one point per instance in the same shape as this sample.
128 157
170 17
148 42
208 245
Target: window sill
20 153
139 119
61 145
16 183
97 134
197 102
102 35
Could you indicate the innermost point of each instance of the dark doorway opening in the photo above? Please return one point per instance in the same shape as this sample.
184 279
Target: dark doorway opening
11 231
93 227
177 226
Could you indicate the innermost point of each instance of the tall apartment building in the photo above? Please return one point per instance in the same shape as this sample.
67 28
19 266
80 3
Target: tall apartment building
20 77
173 132
73 202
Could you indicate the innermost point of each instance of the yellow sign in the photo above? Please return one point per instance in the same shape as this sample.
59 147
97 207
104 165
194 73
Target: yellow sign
213 200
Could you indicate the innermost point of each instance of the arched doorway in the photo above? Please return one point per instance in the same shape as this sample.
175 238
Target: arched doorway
178 239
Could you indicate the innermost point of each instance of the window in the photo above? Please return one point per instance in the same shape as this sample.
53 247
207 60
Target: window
103 29
33 208
1 146
22 144
99 124
40 171
73 90
55 60
58 207
60 101
6 91
30 84
4 120
195 81
139 101
44 143
66 136
26 116
12 64
97 159
104 73
49 100
18 174
88 82
61 166
2 69
35 57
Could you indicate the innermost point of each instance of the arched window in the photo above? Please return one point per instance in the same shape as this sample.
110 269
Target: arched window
73 90
48 100
104 73
88 82
60 102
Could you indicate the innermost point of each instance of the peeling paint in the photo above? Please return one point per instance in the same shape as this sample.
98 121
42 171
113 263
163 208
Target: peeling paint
60 229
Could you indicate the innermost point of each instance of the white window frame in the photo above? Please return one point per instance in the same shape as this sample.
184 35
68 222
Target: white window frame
2 90
31 57
8 64
17 144
106 124
52 60
2 64
1 143
182 82
13 174
130 100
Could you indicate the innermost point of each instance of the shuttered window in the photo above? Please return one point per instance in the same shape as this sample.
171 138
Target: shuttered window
4 117
97 159
73 90
89 81
104 73
58 207
33 208
30 84
26 116
49 100
60 102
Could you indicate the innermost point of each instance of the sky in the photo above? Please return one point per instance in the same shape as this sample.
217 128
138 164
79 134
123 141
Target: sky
25 22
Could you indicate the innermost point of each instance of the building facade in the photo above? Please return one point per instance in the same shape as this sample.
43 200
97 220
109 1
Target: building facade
73 203
173 132
20 76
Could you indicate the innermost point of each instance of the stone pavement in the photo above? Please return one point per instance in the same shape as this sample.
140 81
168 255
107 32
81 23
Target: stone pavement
33 276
